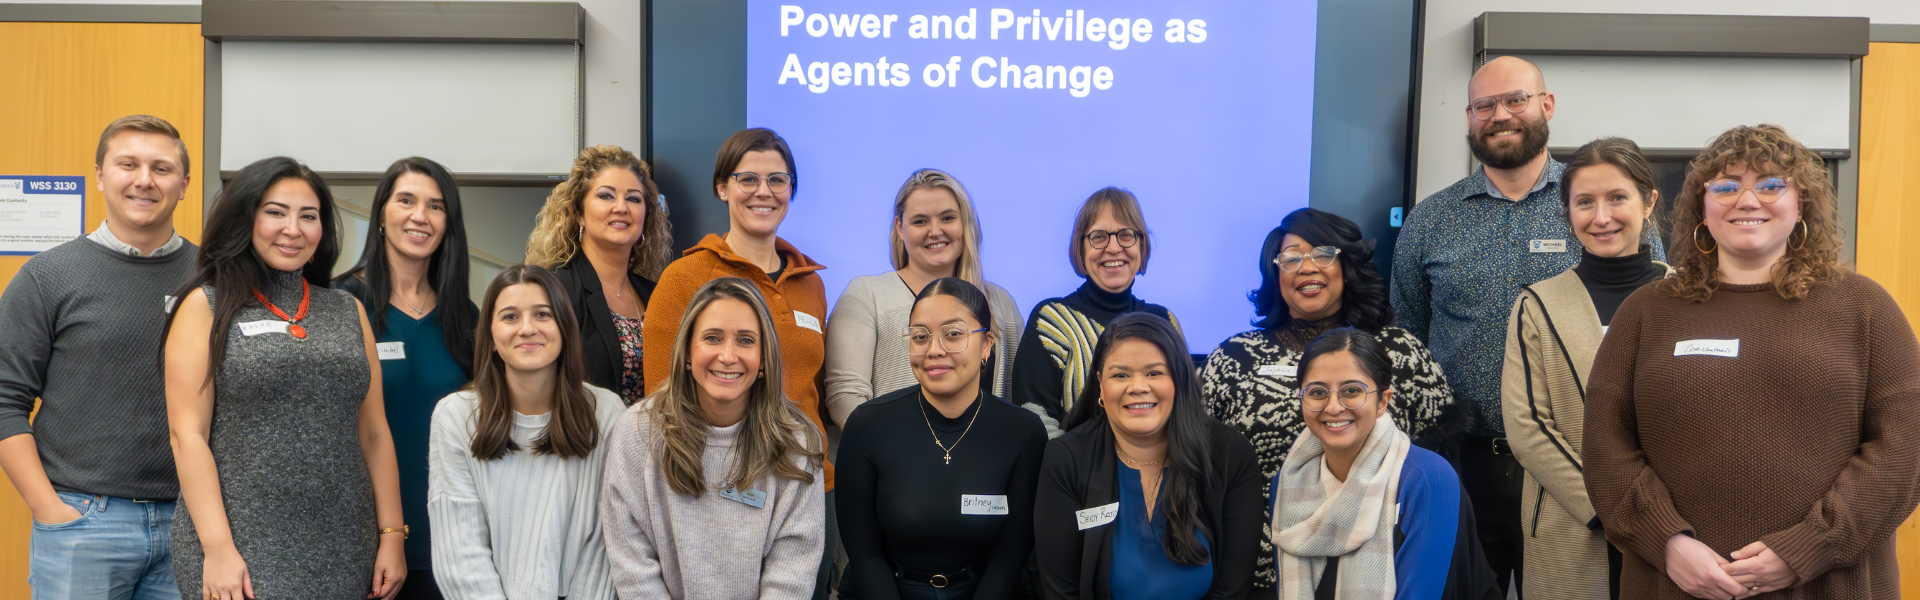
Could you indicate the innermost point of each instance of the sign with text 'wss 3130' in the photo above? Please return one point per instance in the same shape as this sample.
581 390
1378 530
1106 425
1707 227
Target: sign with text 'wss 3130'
39 212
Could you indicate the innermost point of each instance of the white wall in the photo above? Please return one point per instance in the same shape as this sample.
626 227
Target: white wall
1448 61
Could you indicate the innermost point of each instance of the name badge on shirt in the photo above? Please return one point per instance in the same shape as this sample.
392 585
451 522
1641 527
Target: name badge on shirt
391 350
253 328
753 498
1547 246
170 302
808 321
974 504
1096 516
1279 370
1727 348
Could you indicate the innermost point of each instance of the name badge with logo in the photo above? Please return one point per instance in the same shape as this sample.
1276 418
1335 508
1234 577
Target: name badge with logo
391 350
808 321
1279 370
1727 348
1096 516
974 504
253 328
753 498
1547 246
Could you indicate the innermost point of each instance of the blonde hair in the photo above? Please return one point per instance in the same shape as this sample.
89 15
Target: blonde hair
933 179
774 431
556 232
1763 149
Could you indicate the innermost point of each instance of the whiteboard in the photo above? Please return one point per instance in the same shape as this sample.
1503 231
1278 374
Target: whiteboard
348 106
1670 102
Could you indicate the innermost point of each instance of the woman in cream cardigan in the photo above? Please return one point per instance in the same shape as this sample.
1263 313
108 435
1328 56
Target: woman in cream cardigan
1552 336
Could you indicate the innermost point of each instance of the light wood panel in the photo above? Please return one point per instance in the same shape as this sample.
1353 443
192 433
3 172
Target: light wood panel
64 82
1887 250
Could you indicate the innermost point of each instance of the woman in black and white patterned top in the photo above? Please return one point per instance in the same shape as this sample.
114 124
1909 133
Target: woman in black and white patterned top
1316 274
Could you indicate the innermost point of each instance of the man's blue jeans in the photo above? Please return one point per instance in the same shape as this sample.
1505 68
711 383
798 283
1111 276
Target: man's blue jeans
117 550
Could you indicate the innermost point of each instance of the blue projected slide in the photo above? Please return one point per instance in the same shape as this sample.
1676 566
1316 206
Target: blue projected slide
1201 108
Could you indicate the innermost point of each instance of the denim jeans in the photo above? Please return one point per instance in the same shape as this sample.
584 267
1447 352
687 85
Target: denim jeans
117 550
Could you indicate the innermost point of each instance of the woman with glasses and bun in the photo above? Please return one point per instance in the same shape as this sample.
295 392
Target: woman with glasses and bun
1753 422
1109 248
1316 274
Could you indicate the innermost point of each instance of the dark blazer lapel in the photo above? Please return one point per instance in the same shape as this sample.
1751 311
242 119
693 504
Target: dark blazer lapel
1102 489
596 320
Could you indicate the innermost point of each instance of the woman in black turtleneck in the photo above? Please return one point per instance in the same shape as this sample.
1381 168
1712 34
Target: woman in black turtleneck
1552 337
1109 247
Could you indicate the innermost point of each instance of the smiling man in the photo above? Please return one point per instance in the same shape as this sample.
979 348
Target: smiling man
80 330
1461 260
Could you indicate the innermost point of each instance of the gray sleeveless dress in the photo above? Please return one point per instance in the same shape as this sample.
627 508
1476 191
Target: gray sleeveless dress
286 440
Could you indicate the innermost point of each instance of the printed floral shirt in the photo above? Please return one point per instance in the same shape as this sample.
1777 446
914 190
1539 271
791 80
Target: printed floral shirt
632 387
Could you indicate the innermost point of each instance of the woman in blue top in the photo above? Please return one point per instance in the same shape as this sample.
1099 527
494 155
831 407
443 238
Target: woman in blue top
1359 511
412 279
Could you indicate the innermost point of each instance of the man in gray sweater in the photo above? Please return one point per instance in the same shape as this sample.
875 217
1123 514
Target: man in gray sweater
80 330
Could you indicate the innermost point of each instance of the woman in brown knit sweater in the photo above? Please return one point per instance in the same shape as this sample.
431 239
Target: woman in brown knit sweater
1754 421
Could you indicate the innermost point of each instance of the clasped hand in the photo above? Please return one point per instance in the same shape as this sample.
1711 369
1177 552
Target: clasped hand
1703 573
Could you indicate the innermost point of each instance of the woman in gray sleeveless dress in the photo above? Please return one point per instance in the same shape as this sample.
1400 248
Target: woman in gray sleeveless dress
291 425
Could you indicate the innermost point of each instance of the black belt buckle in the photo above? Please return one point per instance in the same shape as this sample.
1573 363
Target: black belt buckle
1500 447
938 581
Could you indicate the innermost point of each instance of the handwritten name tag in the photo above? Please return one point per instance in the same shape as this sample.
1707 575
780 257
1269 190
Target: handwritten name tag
1727 348
753 498
1096 516
253 328
1547 246
391 350
974 504
1279 370
808 321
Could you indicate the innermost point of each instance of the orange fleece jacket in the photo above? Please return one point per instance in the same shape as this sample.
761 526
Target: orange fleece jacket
798 297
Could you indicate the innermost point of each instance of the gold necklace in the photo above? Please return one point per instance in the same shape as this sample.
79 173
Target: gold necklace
948 450
1123 457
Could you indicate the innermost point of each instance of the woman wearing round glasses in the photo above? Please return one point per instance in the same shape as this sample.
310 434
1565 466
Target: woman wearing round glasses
1317 273
1110 247
937 480
1808 374
1358 510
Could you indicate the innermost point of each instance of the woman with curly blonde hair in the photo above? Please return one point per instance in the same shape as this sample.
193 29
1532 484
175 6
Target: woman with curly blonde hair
604 232
1762 403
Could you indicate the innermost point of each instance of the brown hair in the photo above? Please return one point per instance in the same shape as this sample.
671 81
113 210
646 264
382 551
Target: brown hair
143 124
1126 210
1766 149
574 430
756 139
556 232
935 179
1623 154
774 432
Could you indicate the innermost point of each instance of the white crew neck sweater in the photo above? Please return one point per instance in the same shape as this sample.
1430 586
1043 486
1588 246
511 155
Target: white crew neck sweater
520 527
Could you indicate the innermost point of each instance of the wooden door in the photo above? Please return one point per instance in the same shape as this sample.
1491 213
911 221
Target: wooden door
1889 205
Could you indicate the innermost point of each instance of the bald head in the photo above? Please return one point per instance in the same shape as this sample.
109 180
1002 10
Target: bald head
1506 74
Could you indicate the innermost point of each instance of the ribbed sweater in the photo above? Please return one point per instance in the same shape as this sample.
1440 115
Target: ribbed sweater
664 544
522 526
1807 440
1061 333
70 317
867 358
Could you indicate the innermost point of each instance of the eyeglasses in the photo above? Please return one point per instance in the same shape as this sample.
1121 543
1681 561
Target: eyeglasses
1352 396
952 338
1514 102
1726 192
1098 238
777 183
1322 256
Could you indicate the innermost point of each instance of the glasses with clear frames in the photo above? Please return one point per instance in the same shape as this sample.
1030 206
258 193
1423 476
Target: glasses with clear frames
1322 256
1098 238
952 339
1352 396
1515 102
1726 192
777 183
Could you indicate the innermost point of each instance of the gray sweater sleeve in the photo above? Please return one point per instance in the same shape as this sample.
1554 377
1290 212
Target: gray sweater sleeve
26 344
793 559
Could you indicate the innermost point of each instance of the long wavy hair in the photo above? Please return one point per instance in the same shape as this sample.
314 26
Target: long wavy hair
446 269
1812 256
1189 462
227 260
772 436
556 232
934 179
574 429
1363 301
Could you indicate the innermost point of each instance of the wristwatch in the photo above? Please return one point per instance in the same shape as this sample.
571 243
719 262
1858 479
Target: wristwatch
403 530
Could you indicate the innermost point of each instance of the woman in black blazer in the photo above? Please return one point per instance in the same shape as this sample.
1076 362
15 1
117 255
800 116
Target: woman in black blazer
1145 495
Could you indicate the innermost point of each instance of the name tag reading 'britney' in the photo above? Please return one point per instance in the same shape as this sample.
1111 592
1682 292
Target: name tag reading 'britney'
1727 348
975 504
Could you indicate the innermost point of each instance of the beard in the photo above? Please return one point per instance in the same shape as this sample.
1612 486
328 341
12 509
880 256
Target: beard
1510 155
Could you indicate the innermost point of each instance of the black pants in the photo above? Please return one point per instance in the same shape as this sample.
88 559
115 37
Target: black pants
823 581
1495 482
419 586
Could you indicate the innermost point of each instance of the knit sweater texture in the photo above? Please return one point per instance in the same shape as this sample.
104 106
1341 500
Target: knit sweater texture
866 355
1061 333
72 315
1806 436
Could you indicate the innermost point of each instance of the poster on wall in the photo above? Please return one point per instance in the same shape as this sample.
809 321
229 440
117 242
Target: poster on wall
38 212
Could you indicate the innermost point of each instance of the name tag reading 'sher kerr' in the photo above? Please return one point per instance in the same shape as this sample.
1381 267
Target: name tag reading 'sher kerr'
1727 348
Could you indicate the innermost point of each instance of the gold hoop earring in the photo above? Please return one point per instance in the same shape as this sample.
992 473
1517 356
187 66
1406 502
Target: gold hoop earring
1696 240
1805 232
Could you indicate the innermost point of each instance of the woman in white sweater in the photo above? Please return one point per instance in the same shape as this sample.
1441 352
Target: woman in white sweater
714 487
935 234
514 466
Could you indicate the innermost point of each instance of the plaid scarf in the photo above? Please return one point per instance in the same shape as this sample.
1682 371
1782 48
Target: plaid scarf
1355 524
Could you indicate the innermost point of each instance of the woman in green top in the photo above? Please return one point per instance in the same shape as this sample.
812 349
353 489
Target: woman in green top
412 278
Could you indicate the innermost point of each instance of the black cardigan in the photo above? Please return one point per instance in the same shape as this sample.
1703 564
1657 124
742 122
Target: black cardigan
598 336
1078 473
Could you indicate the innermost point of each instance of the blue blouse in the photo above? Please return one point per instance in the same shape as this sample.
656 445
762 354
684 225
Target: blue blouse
1141 569
411 387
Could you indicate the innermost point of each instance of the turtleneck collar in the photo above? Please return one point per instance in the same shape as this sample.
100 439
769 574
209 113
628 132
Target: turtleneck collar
1632 269
283 287
1105 300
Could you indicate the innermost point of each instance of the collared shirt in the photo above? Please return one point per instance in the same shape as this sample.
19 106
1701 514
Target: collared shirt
1460 262
106 238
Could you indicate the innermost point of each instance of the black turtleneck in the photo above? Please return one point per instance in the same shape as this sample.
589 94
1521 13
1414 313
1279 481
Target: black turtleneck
1057 347
1610 279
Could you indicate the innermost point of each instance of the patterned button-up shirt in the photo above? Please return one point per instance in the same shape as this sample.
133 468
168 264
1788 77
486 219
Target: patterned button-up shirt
1463 255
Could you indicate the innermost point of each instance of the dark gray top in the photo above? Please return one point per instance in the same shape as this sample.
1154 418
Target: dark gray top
73 315
286 440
